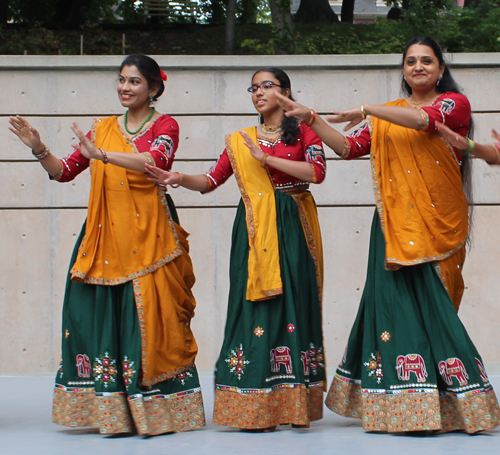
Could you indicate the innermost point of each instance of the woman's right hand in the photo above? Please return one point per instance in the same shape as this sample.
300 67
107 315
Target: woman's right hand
24 131
452 137
161 176
294 109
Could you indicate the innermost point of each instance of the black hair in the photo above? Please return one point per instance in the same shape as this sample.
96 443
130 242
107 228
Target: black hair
289 125
446 84
149 69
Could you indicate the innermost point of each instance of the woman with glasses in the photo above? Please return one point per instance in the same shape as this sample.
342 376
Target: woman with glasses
128 353
271 367
409 364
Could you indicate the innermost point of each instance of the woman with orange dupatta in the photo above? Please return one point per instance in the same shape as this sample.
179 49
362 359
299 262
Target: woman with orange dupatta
127 348
409 364
271 366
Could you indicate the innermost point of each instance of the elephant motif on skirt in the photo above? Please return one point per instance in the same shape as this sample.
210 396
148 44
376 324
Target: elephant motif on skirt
453 368
281 356
411 363
83 364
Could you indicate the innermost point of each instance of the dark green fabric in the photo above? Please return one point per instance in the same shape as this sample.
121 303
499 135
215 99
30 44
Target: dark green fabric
101 323
413 308
291 320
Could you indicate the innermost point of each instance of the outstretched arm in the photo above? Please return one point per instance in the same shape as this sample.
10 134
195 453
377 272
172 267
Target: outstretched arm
488 153
191 182
326 133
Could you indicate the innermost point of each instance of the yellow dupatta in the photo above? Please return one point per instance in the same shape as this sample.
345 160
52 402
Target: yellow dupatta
418 189
121 243
257 192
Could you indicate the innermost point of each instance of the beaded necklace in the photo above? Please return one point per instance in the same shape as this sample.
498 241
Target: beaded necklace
143 123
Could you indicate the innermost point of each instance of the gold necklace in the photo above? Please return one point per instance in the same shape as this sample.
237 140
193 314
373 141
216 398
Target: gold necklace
422 103
271 129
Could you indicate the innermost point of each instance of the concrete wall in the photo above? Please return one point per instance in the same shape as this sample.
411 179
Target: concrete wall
40 220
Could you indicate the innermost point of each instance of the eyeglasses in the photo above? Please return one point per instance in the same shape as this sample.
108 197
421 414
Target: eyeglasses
265 86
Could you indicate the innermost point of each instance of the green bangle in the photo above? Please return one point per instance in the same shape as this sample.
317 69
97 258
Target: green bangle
470 148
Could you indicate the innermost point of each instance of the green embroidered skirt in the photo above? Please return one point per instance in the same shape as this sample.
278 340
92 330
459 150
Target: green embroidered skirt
409 364
99 378
271 367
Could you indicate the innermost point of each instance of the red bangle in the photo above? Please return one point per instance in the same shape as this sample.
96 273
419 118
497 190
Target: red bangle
313 118
104 156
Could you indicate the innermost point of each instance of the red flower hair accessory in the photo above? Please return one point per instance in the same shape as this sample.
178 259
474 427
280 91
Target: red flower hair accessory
163 75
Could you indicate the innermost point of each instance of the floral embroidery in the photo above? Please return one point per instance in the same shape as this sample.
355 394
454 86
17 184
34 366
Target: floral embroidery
183 377
259 331
237 361
291 328
105 369
66 333
128 371
374 367
61 369
386 336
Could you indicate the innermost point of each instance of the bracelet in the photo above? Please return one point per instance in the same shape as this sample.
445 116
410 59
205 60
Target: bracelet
178 184
495 146
363 113
313 118
104 156
470 148
264 160
41 156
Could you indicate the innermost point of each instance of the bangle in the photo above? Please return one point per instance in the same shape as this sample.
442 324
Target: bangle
104 156
264 160
41 156
470 148
178 184
363 113
313 118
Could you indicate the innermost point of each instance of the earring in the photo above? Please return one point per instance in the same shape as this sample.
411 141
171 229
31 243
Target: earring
151 101
439 80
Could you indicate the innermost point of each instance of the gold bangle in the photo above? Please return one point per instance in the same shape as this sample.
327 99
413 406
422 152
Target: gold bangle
178 184
313 118
363 113
264 160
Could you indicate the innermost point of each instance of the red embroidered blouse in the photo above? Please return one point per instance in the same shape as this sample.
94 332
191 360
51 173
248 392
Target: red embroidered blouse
307 148
450 108
160 140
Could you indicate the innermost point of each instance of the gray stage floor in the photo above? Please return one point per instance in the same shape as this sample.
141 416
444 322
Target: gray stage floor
25 428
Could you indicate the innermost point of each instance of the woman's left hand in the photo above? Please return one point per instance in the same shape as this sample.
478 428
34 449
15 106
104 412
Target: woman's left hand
452 137
86 147
353 116
255 150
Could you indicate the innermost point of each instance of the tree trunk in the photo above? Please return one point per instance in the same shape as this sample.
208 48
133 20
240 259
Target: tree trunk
347 11
72 11
312 11
282 26
230 24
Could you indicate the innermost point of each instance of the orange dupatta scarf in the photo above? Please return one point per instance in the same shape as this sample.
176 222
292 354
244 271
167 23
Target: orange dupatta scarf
130 236
418 189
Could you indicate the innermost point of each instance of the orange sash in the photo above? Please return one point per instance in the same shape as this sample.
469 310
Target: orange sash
130 236
418 190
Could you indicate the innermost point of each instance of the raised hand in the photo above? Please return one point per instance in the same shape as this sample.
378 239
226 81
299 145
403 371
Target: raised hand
24 131
453 138
255 150
495 135
294 109
86 146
